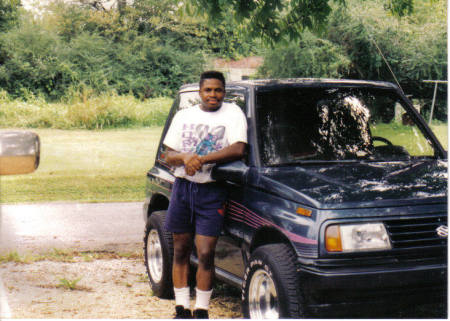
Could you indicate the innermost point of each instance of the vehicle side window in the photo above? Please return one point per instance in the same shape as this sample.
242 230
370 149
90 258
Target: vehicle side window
237 97
399 131
162 149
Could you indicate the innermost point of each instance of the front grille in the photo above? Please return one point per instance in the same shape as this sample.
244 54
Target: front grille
413 232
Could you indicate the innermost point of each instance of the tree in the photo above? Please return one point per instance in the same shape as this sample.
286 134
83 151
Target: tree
309 57
415 46
358 42
9 14
273 20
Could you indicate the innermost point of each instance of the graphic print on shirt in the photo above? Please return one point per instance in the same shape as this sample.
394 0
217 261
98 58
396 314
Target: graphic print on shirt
202 140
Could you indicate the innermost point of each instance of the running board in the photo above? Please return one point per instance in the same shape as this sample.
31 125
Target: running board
222 275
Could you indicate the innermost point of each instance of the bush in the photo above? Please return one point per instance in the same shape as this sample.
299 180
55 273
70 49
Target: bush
73 47
9 14
29 62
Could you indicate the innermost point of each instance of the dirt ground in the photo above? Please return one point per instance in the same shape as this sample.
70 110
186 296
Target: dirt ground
102 288
113 287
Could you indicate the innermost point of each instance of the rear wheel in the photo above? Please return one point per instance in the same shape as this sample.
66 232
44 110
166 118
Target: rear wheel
158 255
270 287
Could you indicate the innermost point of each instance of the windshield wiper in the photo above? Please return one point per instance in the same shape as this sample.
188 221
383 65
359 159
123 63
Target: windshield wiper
315 162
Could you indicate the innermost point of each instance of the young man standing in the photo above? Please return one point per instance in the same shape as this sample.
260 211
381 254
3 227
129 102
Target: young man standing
210 133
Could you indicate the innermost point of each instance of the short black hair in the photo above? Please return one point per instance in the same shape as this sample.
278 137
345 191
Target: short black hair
212 74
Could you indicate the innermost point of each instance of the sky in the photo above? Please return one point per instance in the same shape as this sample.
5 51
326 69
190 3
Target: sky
33 4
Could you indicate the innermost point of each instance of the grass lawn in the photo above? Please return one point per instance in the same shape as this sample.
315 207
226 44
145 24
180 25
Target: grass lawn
410 138
87 166
95 166
441 131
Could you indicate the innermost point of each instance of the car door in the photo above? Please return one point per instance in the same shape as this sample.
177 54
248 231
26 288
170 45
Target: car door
229 258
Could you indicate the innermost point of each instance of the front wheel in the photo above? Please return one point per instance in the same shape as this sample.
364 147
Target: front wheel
270 288
158 255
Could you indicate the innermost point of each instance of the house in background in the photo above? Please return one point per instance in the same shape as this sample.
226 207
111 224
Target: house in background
238 69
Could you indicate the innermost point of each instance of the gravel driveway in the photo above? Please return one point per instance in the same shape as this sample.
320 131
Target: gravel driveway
102 288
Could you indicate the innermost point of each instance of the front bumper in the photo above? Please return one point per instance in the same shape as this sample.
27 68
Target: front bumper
358 291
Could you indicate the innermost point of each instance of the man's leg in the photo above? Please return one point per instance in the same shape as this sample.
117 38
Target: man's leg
182 248
206 246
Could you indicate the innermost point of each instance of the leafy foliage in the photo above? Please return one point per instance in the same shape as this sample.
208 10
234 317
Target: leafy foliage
309 57
9 14
360 41
148 49
29 62
413 46
273 20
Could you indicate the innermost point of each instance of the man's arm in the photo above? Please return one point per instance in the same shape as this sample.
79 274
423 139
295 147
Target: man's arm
193 162
230 153
190 161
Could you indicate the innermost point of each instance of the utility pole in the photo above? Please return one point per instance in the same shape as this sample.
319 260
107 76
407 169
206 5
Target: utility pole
121 4
436 82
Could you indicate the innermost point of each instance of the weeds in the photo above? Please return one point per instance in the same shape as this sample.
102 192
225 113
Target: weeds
66 256
59 255
87 112
15 257
143 278
68 284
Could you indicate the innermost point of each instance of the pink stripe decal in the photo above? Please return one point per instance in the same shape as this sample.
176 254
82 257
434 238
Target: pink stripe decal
254 220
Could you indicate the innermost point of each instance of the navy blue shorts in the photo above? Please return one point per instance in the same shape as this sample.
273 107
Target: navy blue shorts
196 208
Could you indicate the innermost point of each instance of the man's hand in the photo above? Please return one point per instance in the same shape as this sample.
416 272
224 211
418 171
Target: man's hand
192 163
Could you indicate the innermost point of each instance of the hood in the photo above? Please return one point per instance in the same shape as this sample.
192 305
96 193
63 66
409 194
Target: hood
350 185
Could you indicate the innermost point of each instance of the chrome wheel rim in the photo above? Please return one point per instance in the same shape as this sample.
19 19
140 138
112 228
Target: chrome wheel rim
154 256
263 298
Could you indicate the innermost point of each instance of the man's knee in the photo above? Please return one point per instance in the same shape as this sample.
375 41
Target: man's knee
181 254
206 258
182 247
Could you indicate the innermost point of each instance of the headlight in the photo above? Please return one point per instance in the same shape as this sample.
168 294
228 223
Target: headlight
356 237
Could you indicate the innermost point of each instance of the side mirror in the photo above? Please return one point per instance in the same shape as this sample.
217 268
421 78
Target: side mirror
19 152
235 172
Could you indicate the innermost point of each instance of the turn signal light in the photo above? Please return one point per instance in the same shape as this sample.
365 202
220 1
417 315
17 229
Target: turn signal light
303 211
333 240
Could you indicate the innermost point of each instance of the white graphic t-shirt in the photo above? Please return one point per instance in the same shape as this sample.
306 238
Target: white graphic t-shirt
196 131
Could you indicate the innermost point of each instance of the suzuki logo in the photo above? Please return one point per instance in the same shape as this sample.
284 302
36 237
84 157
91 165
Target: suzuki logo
442 231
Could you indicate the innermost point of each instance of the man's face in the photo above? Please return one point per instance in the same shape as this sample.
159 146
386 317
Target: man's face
212 93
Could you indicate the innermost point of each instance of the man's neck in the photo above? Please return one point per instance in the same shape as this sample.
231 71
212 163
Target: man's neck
205 109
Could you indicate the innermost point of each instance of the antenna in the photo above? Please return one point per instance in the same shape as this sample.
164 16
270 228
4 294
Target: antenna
387 63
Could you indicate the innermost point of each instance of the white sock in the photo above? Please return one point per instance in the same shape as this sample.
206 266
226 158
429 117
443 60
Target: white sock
202 299
182 297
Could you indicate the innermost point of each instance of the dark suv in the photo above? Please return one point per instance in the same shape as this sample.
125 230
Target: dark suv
340 203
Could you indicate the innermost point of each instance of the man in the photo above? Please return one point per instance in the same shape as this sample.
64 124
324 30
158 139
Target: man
210 133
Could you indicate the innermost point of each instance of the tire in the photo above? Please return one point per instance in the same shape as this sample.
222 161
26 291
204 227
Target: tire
158 255
270 289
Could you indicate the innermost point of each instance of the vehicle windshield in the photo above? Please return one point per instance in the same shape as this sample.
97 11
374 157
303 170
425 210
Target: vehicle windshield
328 124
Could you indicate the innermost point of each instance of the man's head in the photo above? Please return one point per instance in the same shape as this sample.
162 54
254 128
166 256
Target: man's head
212 74
212 90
